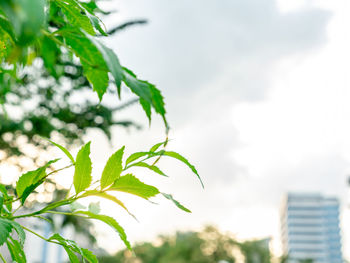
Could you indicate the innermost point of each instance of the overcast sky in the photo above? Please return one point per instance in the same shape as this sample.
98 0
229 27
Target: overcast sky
257 93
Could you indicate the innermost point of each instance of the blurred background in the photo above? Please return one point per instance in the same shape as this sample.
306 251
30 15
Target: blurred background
257 94
258 98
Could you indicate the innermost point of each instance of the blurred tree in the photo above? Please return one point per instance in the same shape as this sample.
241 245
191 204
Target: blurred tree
50 99
207 246
256 251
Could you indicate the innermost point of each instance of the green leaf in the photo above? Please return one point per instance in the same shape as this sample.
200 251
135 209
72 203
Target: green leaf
27 183
20 232
109 197
73 258
174 155
156 146
8 205
130 184
135 156
112 62
151 167
5 230
6 26
16 251
73 12
82 174
147 92
50 53
96 23
184 160
147 108
94 208
170 197
81 17
6 227
64 150
71 248
1 201
111 222
98 79
94 65
112 169
26 17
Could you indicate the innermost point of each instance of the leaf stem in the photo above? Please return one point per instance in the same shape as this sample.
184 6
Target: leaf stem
34 233
2 258
65 213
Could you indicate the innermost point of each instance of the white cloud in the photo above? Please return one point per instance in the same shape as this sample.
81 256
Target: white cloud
257 98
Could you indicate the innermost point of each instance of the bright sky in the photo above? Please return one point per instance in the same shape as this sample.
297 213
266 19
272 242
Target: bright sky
258 97
257 93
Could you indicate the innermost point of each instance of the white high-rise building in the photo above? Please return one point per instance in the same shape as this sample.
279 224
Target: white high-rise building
310 228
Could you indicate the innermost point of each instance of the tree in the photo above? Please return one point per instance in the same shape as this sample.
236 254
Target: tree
207 246
43 42
49 87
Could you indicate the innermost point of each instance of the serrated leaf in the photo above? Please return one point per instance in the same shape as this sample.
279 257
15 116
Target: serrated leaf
170 197
6 227
184 160
94 208
147 91
83 18
64 150
151 167
109 197
71 248
111 60
111 222
130 184
82 174
5 230
20 232
27 183
147 108
95 68
16 251
135 156
74 15
112 169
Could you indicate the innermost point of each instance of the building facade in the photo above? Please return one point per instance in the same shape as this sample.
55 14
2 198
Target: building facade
310 228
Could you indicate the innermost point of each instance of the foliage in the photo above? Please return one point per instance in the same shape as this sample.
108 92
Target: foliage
119 180
206 246
45 93
42 44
